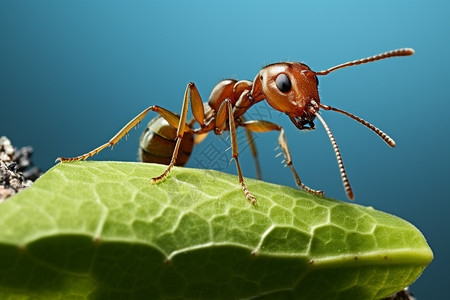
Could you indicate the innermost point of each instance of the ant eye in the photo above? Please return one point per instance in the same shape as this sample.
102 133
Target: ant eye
317 80
283 83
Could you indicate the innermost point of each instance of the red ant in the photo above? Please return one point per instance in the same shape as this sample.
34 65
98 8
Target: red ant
289 87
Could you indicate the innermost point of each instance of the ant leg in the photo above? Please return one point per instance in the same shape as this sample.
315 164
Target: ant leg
198 112
264 126
252 144
220 119
169 116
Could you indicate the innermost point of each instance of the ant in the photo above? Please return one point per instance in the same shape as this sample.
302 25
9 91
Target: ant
289 87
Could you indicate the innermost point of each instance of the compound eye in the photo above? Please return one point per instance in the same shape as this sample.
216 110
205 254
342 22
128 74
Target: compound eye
283 83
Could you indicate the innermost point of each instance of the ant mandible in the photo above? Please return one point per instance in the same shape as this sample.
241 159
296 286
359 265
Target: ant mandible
289 87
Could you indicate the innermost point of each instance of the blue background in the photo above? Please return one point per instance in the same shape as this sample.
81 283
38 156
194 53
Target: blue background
72 73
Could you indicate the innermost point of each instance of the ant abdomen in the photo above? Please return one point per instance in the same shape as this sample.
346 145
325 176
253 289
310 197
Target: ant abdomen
158 141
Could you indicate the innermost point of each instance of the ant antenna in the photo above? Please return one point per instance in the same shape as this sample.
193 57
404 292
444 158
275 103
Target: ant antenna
380 133
393 53
348 188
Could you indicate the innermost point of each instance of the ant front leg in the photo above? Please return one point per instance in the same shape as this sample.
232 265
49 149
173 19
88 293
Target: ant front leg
264 126
220 120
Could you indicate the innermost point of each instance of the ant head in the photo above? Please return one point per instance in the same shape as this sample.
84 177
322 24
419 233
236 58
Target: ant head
287 87
292 88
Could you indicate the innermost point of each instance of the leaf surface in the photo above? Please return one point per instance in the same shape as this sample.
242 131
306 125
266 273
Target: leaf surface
100 230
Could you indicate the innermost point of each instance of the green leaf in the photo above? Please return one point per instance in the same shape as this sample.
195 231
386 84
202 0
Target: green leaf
100 229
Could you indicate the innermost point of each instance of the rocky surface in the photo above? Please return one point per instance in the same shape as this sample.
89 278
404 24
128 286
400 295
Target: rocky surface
16 168
402 295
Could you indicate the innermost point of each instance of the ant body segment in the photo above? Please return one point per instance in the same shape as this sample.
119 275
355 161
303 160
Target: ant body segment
290 87
158 141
